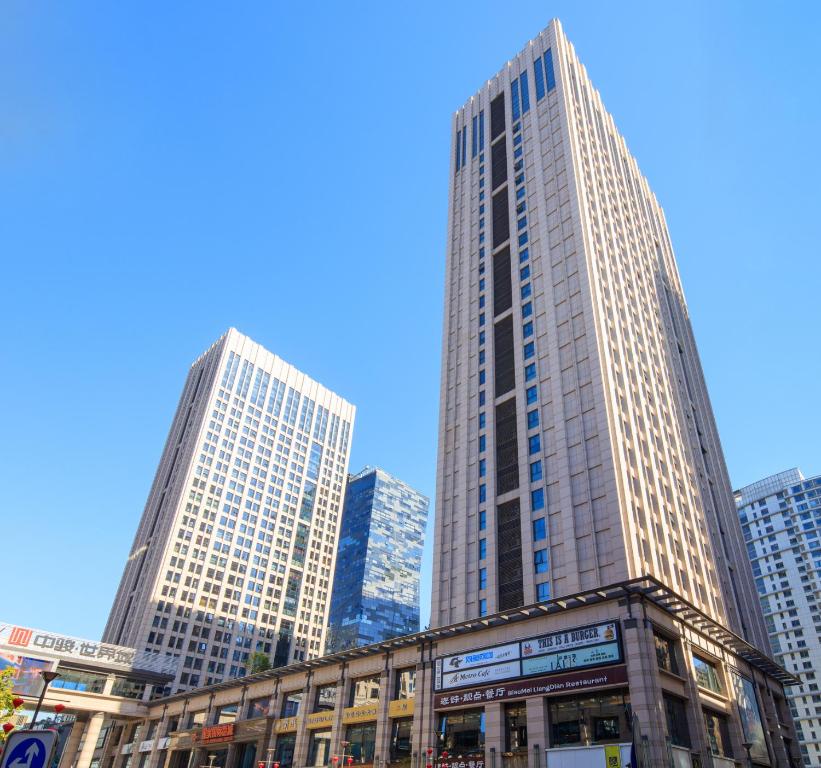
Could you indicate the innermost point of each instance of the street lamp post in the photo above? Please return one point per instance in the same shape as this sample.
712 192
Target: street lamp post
747 746
48 675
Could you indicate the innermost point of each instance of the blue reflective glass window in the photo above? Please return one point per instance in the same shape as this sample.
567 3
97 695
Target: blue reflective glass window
481 195
538 76
539 530
530 350
527 329
527 310
525 92
482 549
481 443
532 418
481 130
540 560
481 397
536 471
523 239
483 578
524 272
517 140
482 493
534 444
481 337
481 183
458 153
548 66
523 255
532 395
520 179
514 99
481 356
525 291
481 237
517 152
520 193
537 499
482 467
482 284
543 592
521 223
481 302
482 318
483 607
482 420
482 376
474 138
464 146
482 519
530 371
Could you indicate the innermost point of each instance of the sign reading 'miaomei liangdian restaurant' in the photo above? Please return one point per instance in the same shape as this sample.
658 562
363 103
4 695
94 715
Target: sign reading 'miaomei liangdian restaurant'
595 645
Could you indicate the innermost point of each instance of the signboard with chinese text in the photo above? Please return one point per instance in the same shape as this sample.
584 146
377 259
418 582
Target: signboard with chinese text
539 686
361 714
286 724
320 719
596 656
401 708
212 734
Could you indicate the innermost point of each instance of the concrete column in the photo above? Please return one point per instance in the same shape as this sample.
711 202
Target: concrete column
231 757
155 755
424 717
303 735
536 731
338 730
92 733
695 717
494 731
72 746
383 724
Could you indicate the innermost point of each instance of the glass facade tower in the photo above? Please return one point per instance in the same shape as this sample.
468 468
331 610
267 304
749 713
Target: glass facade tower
236 548
781 519
376 587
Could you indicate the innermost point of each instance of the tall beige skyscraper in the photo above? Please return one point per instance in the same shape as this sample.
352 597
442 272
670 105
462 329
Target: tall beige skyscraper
577 445
236 548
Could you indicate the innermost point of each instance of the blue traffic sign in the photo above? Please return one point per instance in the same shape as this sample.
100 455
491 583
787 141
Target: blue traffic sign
29 749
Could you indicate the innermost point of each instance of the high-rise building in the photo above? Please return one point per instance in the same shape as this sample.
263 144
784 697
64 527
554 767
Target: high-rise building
236 548
781 519
577 444
376 588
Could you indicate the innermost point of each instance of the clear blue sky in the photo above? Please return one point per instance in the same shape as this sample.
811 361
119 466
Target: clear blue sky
168 170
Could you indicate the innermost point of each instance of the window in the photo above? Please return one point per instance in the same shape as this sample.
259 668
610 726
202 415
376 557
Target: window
601 718
718 733
364 691
515 728
539 532
482 442
536 471
707 674
532 419
540 560
462 732
401 740
482 420
527 309
524 272
483 578
525 291
325 698
537 499
548 68
532 395
482 549
543 591
527 330
290 704
666 653
530 350
405 683
525 92
483 607
362 739
227 713
482 493
676 714
482 519
538 75
319 748
482 467
530 371
534 444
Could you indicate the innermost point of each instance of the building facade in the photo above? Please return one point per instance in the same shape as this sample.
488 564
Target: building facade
781 519
236 548
376 588
551 684
577 444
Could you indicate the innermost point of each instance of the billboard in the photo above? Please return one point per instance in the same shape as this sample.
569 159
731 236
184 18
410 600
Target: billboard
26 680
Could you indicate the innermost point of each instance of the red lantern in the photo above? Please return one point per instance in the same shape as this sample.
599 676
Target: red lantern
18 701
428 765
334 759
350 761
276 765
58 708
8 727
445 754
261 764
430 750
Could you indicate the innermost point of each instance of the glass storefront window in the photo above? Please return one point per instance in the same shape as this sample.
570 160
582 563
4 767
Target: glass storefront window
364 691
675 711
362 739
290 704
284 750
325 698
74 680
227 713
707 674
462 731
405 687
319 748
666 653
515 727
718 733
196 719
258 707
585 720
401 745
127 688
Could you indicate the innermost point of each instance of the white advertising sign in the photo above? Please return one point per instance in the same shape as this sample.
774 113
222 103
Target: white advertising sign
570 639
480 658
573 659
481 675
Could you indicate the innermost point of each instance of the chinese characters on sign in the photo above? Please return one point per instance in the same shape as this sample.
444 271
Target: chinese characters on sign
61 645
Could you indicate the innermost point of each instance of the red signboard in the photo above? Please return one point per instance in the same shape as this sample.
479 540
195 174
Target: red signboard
19 636
215 733
536 686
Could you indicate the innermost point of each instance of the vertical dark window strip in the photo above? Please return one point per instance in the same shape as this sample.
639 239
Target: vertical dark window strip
507 448
514 100
548 65
509 536
464 146
498 164
501 219
474 138
481 130
502 284
525 92
458 153
504 358
538 76
497 116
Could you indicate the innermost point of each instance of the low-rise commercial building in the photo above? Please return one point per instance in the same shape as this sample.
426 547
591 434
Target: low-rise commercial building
573 681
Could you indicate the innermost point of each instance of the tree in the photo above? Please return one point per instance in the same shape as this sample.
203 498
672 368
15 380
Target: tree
259 662
6 699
